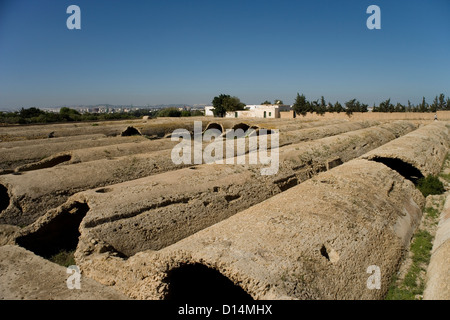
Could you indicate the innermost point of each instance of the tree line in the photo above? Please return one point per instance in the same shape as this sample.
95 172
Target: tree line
302 106
439 103
174 112
35 115
224 103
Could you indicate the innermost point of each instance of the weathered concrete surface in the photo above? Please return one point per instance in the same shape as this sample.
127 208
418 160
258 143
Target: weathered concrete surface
283 125
137 145
109 152
438 272
18 153
313 133
154 212
152 127
25 276
313 241
423 149
10 158
8 234
46 142
29 155
38 132
32 193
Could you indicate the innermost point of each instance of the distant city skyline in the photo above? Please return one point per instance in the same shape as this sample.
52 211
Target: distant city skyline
165 52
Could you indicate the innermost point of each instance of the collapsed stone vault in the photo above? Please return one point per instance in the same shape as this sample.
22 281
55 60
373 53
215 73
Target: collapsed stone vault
310 232
33 192
313 241
156 211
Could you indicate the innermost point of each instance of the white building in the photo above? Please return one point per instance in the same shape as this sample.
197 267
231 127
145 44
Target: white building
260 111
254 111
209 111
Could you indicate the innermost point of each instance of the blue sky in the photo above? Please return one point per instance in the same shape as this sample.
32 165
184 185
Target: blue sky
173 51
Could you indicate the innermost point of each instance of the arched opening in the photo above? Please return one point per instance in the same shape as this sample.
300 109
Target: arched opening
104 190
214 125
407 170
239 130
46 163
60 234
253 131
196 282
4 198
130 131
242 126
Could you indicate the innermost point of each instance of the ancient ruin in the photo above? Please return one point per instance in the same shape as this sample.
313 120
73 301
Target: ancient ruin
139 226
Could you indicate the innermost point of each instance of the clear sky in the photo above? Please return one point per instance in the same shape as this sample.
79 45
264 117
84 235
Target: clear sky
188 51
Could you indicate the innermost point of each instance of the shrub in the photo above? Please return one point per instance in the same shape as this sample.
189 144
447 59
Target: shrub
64 258
413 284
430 185
169 112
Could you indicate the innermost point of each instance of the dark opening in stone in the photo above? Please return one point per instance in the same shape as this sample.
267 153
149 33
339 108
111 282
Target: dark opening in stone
4 198
407 170
130 131
196 282
59 234
214 125
324 252
238 131
46 163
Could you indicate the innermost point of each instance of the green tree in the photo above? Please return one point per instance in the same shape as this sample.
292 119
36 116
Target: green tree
218 104
313 106
362 107
233 104
423 107
441 103
169 112
65 110
68 114
266 102
355 106
224 103
30 113
350 107
386 106
300 106
321 107
434 106
185 113
399 108
197 113
330 107
338 107
410 107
